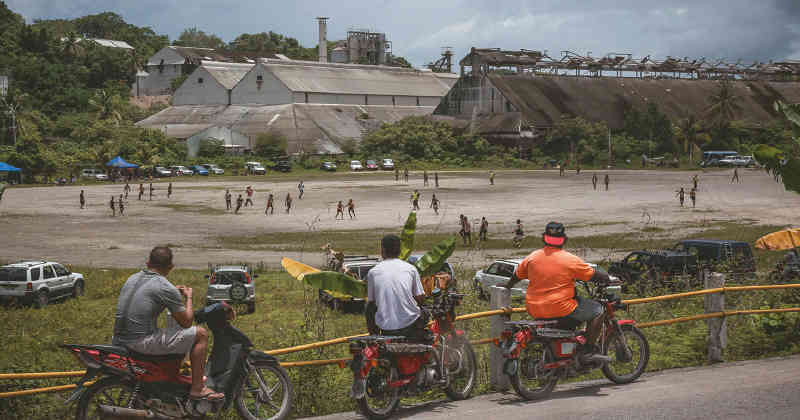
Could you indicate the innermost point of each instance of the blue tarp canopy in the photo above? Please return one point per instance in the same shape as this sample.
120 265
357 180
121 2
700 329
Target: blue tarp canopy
4 167
119 162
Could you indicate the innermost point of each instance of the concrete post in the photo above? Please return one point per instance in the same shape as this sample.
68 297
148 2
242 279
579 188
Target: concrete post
500 298
717 330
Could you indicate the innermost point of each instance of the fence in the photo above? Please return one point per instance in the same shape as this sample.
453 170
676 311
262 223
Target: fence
500 301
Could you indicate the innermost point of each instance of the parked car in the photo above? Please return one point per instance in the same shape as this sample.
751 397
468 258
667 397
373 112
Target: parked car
255 168
745 161
213 169
199 170
644 269
220 279
328 166
499 273
180 170
162 172
283 165
372 165
387 164
95 174
355 165
39 282
735 256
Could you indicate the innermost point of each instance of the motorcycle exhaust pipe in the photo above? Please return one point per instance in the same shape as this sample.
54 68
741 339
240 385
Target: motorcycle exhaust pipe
109 412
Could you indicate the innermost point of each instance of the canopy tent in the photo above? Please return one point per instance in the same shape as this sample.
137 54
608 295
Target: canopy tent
4 167
119 162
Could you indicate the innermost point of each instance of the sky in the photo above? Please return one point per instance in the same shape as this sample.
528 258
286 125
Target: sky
418 29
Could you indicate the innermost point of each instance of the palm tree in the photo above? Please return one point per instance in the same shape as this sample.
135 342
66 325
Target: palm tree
106 104
724 104
688 128
70 44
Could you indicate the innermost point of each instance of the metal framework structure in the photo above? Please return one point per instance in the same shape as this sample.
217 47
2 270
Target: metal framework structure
445 63
523 61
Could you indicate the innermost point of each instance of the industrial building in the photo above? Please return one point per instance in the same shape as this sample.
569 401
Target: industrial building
316 106
513 97
168 64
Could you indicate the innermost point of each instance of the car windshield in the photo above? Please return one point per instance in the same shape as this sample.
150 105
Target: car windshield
370 162
13 274
228 277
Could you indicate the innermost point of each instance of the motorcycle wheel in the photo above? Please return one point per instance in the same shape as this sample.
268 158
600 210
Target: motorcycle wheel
627 372
380 401
462 383
266 393
530 382
112 391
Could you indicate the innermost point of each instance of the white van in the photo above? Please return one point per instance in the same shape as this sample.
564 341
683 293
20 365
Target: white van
95 174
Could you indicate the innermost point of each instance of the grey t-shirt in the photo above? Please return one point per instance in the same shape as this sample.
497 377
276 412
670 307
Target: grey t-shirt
392 285
143 297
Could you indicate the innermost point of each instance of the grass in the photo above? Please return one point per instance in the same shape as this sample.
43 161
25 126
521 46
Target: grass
287 314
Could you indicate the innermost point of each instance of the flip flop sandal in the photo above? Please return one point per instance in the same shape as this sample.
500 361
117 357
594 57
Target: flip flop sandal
210 395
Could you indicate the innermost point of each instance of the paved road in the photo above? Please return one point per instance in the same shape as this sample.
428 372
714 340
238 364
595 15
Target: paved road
752 390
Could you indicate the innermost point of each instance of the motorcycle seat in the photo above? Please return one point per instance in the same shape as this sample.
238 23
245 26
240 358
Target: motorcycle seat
156 358
102 348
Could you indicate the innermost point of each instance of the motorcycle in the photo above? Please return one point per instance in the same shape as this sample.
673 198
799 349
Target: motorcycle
134 385
542 351
386 368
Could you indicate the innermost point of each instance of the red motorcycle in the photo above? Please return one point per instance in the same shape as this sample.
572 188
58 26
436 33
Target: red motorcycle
541 351
134 385
385 368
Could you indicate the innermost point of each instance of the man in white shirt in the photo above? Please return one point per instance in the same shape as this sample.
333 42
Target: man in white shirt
394 295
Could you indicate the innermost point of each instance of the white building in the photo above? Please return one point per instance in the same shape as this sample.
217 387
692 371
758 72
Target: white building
317 106
168 64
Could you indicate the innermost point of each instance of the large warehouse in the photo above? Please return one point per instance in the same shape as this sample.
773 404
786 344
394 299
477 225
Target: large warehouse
317 106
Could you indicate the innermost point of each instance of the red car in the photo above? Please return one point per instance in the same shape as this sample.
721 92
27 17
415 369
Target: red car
372 165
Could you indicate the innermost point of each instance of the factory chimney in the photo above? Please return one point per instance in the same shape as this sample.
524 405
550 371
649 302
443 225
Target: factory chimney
323 39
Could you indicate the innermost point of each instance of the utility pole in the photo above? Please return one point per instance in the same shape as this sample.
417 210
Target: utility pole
609 146
11 110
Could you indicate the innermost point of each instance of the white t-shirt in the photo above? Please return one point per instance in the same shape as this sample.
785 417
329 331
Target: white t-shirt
392 285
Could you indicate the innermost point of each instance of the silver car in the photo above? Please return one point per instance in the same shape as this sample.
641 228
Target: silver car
223 276
499 272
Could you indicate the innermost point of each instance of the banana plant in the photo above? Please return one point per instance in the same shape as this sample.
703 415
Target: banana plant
407 236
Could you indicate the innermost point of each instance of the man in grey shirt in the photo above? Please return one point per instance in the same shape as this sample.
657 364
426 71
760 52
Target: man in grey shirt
394 293
143 297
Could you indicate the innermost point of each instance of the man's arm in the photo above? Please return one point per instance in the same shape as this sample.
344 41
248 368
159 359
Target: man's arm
185 318
512 281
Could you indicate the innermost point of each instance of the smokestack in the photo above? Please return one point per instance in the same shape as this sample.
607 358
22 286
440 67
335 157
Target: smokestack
323 39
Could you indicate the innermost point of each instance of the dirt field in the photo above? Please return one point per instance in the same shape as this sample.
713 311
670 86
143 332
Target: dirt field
47 222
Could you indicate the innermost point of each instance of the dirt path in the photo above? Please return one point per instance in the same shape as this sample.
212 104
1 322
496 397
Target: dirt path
47 223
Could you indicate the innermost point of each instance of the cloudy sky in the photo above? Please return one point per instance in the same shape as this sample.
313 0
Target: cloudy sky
731 29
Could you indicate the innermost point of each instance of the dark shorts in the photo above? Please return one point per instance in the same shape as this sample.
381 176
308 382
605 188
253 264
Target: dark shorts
587 309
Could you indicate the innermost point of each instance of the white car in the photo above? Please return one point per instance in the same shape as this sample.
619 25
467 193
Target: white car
213 169
355 165
95 174
181 170
255 168
39 282
387 164
500 273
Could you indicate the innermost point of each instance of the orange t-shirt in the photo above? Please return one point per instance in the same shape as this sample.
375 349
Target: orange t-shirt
551 288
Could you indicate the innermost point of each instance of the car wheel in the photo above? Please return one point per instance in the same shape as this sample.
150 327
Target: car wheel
41 299
77 290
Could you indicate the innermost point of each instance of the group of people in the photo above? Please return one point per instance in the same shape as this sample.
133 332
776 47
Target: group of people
681 193
351 209
118 203
269 209
466 230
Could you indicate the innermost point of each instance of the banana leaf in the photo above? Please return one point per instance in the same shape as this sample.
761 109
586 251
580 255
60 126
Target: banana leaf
297 269
337 282
433 260
407 236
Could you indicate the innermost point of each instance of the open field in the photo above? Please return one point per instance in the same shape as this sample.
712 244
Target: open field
46 222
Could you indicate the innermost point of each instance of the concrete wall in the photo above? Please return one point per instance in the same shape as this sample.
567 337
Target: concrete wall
269 91
193 92
159 83
233 140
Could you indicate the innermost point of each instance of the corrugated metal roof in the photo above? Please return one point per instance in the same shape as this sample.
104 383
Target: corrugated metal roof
356 80
308 127
227 74
112 43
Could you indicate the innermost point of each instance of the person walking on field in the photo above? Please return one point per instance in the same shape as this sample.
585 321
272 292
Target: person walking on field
288 202
415 200
578 170
339 210
127 189
693 196
519 234
113 208
351 208
141 191
695 179
83 200
228 200
594 181
606 181
491 177
435 204
270 204
121 205
405 174
300 188
151 191
396 174
735 175
169 190
249 200
484 229
239 201
425 178
436 179
681 196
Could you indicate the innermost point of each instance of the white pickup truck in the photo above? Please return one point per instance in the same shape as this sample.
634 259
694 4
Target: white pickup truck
39 282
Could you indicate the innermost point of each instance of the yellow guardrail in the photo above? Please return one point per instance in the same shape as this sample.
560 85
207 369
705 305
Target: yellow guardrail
340 340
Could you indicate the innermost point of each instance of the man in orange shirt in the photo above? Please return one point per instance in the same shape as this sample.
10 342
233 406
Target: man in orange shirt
551 273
